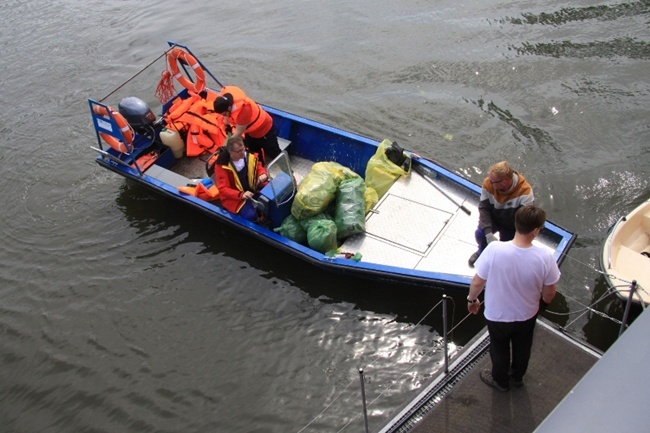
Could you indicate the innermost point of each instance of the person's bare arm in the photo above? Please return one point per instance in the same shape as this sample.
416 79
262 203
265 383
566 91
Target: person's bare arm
548 293
239 130
475 288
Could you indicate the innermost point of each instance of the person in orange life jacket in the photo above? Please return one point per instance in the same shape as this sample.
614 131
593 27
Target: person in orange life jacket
504 191
239 177
250 121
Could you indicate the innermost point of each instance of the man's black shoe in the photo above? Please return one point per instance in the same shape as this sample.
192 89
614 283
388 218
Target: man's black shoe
486 377
518 383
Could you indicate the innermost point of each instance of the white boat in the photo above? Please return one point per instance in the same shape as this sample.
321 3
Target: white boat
625 256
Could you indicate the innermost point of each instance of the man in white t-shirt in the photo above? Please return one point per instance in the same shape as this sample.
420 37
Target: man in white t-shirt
518 278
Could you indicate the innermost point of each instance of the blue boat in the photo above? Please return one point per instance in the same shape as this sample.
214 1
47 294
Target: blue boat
419 229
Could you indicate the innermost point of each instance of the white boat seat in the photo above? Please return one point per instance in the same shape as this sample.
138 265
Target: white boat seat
167 176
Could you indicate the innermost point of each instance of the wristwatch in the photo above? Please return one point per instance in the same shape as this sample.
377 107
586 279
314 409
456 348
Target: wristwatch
472 301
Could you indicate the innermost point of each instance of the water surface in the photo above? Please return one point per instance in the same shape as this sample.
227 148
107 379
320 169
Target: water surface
121 311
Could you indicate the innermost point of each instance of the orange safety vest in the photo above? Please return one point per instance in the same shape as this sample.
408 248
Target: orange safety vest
195 116
245 111
207 193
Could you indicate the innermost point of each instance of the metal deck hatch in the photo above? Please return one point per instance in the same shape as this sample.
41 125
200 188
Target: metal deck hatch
406 223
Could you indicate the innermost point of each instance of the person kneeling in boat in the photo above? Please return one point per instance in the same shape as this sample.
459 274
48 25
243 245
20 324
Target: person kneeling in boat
239 177
504 191
250 121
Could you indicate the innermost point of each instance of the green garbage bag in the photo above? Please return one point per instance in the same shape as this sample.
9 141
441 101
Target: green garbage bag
305 223
321 235
292 229
350 215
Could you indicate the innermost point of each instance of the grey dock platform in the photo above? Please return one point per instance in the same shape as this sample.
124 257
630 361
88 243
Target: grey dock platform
468 405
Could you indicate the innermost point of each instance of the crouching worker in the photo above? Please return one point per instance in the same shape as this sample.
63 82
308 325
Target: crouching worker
250 121
239 177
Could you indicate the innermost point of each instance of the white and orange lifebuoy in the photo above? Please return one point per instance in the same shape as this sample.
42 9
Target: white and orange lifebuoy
177 54
125 146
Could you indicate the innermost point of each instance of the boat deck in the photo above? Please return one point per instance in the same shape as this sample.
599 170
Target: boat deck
415 226
461 402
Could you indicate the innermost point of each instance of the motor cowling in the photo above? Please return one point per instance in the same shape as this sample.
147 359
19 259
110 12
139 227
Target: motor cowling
136 112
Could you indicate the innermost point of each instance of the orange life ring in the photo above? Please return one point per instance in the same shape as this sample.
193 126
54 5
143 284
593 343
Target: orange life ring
179 54
126 130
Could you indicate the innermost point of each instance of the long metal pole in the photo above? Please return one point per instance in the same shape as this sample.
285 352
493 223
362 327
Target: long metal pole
427 174
444 331
626 315
363 400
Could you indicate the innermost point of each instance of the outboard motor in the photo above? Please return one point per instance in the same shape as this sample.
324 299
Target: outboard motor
137 113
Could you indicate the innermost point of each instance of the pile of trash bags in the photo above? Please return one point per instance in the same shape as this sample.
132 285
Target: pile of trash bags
332 201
